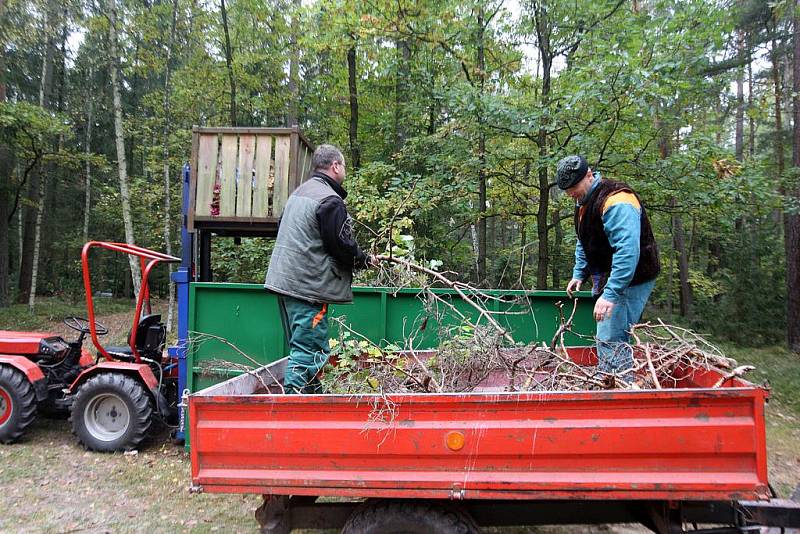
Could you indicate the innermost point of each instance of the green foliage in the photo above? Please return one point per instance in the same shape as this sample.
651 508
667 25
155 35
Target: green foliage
448 92
243 262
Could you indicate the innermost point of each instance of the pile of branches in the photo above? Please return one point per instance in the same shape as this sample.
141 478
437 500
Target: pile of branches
481 355
664 356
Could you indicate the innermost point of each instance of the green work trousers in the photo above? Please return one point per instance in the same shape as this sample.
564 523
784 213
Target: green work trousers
306 327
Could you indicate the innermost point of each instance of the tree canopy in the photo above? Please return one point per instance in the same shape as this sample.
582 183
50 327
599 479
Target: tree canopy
452 116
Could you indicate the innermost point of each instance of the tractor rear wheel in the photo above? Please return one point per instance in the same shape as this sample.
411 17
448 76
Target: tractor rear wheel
111 412
17 404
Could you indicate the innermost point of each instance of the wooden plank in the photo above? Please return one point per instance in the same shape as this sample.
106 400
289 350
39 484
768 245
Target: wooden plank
243 131
206 172
305 140
244 188
301 164
281 194
294 155
192 181
263 164
234 219
310 154
227 179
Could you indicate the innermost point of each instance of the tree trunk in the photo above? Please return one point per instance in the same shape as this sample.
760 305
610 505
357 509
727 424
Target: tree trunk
355 149
544 187
37 240
739 137
546 55
678 234
36 245
432 105
294 67
402 74
792 220
20 225
558 238
751 118
679 242
779 156
7 162
481 151
119 135
165 156
26 267
229 61
87 201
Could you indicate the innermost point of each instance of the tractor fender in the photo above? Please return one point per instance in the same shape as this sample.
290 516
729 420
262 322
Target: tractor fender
140 371
30 370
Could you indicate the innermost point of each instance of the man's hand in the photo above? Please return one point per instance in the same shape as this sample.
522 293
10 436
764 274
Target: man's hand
574 285
373 260
602 309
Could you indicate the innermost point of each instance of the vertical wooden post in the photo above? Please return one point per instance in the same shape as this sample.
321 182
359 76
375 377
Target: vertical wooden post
294 143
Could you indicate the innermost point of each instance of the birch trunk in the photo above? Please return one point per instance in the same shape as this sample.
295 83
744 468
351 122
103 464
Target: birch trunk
136 275
87 203
167 204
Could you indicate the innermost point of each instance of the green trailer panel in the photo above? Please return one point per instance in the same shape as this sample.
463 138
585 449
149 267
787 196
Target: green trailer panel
246 315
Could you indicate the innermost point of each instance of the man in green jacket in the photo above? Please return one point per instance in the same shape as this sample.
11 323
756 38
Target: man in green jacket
312 266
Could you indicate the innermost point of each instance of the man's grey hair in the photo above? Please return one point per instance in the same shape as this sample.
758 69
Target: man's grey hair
325 156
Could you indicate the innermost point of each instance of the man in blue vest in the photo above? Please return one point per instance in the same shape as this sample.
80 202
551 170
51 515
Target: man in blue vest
312 266
617 249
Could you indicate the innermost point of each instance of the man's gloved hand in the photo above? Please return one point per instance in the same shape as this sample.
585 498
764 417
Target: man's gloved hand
574 285
602 309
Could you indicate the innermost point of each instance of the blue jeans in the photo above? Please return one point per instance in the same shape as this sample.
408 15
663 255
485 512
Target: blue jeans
613 353
306 327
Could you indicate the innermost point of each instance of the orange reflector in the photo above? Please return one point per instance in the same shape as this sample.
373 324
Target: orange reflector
455 441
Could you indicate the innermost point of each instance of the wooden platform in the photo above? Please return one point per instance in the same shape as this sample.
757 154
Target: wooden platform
241 178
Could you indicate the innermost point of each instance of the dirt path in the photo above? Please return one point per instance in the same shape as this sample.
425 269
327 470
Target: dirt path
50 484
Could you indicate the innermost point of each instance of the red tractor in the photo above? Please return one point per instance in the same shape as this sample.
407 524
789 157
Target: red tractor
113 399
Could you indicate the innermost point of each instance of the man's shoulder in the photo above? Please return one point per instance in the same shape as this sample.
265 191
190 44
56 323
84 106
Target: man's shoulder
622 196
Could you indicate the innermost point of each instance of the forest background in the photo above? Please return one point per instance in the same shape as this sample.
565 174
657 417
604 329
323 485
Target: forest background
452 116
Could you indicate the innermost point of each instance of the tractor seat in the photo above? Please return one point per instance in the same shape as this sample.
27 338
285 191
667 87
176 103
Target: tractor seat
123 352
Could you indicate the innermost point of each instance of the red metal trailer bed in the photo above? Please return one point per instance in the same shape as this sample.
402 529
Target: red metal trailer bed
692 443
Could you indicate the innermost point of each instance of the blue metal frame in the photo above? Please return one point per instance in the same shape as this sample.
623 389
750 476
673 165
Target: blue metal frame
182 277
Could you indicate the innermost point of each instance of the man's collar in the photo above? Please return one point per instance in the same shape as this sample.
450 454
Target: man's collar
595 183
337 187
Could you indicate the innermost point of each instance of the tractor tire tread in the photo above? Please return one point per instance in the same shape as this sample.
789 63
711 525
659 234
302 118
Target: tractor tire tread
141 413
374 516
26 403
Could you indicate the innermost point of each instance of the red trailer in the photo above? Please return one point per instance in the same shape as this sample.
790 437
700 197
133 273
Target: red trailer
455 462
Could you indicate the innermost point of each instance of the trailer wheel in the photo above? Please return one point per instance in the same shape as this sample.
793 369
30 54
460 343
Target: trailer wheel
17 404
111 412
409 517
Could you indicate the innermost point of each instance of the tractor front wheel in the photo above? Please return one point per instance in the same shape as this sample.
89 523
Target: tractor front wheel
111 412
17 404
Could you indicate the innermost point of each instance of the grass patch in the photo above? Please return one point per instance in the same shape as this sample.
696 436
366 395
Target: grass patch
775 365
49 310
